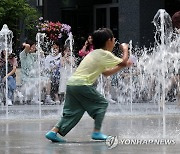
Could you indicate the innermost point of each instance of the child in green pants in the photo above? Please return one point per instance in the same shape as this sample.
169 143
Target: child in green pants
81 96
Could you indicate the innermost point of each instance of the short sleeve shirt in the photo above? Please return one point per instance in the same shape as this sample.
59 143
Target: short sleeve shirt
94 64
11 63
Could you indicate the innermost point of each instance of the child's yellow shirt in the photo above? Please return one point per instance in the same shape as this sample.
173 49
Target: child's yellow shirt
94 64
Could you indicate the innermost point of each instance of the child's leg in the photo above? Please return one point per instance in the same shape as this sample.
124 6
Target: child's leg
78 100
95 104
48 87
48 99
72 113
11 83
97 110
96 107
11 87
61 97
56 98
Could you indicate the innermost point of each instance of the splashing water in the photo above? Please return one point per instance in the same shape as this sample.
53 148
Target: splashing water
40 39
151 75
6 36
144 87
69 42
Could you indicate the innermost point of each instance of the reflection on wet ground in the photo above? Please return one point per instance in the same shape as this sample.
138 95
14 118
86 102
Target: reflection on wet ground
27 136
46 111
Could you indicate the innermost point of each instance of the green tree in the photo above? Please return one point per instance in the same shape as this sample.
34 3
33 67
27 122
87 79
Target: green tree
20 17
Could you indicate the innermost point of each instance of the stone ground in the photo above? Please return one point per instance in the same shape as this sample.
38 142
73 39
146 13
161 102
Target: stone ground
26 136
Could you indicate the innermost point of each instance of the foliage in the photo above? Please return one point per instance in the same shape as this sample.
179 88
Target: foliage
18 14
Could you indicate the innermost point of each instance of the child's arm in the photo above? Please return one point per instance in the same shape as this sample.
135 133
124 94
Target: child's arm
27 47
116 68
124 48
10 73
125 62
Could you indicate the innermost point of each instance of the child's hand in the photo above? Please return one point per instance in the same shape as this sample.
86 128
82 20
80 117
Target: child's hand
27 46
129 63
66 55
124 47
4 79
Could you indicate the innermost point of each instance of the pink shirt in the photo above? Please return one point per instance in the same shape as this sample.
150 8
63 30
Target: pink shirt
83 52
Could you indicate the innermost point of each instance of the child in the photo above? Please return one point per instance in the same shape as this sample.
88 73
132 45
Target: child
67 67
29 70
52 66
11 76
28 58
81 95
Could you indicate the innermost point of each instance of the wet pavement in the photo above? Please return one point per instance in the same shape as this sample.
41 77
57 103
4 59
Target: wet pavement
140 134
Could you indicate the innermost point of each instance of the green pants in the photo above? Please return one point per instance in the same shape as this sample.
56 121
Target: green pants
78 100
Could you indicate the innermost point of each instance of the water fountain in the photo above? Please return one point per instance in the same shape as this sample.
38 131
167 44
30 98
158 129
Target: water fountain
138 91
148 82
143 89
39 39
6 36
70 41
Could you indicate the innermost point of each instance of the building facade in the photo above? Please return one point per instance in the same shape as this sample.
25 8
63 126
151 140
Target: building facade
128 19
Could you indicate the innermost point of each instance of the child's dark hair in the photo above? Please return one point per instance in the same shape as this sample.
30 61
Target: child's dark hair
12 55
64 48
56 43
100 37
176 20
30 42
